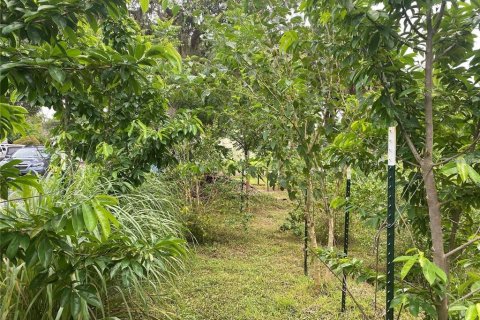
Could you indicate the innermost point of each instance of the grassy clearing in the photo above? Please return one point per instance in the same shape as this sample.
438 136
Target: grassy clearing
257 274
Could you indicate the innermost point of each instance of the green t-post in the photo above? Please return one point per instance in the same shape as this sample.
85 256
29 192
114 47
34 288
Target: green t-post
391 221
345 239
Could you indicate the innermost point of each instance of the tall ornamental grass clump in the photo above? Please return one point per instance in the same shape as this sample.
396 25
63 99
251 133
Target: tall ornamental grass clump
78 252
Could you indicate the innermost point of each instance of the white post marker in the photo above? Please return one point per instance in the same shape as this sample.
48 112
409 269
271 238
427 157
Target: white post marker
349 173
392 146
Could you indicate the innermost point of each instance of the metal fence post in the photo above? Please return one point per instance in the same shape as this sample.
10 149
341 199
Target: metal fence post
346 231
391 221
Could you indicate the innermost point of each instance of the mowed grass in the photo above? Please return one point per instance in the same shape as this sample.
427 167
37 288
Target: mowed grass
258 274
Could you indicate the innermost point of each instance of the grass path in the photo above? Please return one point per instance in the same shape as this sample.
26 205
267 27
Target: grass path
257 274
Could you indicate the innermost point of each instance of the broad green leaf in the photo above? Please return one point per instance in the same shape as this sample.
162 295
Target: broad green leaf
288 39
13 247
439 272
75 305
337 202
172 55
472 313
402 258
449 169
77 221
57 74
89 217
452 309
462 168
103 219
12 27
45 252
475 286
407 266
73 52
89 296
144 4
373 14
428 270
474 176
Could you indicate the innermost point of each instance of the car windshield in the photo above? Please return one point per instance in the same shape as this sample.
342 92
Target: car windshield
29 153
12 150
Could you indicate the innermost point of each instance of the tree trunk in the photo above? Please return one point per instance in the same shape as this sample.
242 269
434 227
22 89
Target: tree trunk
427 167
247 179
266 181
197 191
312 236
331 230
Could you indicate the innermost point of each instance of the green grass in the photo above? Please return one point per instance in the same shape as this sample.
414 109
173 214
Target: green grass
258 274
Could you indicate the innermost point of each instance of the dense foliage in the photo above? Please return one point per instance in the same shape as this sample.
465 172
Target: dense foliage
201 92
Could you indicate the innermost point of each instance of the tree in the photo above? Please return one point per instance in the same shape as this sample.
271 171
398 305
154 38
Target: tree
420 57
101 75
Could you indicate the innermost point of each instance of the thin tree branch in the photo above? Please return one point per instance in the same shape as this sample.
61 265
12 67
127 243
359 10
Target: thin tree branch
440 16
463 246
348 291
468 295
412 26
395 35
471 147
410 144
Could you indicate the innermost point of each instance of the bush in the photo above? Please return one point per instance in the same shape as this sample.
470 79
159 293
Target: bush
76 252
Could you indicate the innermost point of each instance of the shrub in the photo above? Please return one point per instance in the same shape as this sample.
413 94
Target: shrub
76 252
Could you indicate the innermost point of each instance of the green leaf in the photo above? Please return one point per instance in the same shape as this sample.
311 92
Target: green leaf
45 252
172 55
428 270
12 27
475 286
407 266
103 219
474 176
31 256
287 40
472 313
106 200
73 52
75 305
373 14
337 202
77 221
439 272
462 168
89 296
144 4
89 217
57 74
13 247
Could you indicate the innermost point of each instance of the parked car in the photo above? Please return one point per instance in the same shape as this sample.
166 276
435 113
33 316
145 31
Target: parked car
34 159
7 150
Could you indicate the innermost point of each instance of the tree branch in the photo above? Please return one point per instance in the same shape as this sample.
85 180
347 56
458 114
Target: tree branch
463 246
348 291
440 16
395 35
471 147
410 144
414 28
468 295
